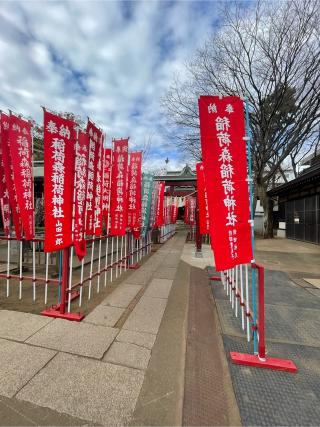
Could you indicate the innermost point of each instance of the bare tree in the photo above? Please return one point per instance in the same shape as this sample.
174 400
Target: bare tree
270 55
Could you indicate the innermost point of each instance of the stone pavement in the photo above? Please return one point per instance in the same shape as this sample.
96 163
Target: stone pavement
125 364
292 309
153 352
55 372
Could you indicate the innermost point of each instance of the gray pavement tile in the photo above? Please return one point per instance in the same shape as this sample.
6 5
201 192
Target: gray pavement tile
19 363
315 292
283 323
104 315
88 389
15 412
165 273
139 277
146 316
82 338
19 326
159 288
122 295
128 354
274 398
139 338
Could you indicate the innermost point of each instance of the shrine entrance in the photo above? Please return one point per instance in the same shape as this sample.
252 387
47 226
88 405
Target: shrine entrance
182 184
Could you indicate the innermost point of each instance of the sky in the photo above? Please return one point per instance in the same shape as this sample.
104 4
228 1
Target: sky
111 61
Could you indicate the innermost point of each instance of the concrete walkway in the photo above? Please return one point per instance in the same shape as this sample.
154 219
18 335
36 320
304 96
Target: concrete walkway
92 372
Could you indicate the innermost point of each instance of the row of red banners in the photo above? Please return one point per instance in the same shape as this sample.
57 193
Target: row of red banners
16 180
223 180
85 184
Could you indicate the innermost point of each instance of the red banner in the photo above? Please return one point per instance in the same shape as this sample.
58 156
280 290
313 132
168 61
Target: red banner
186 211
222 130
21 156
81 168
93 204
8 173
159 209
202 200
107 165
59 162
192 211
134 193
4 195
118 204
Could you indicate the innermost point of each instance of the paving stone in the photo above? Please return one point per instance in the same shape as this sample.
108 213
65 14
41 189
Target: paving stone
128 354
19 363
139 278
139 338
165 273
274 398
101 392
159 288
82 338
19 326
104 315
147 315
122 295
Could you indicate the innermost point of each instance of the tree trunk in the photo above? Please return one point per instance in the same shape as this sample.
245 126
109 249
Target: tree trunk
267 204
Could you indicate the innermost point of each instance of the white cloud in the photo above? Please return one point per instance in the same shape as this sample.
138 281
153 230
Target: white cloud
112 61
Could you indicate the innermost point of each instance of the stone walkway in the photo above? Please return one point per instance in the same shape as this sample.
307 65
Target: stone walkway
292 309
91 371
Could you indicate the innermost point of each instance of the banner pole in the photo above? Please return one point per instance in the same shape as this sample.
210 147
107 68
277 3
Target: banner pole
8 267
20 273
46 285
253 278
111 270
117 256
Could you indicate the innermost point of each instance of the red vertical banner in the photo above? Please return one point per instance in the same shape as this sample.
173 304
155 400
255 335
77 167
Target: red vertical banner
106 189
4 195
94 173
202 200
118 203
186 211
192 210
223 146
59 163
134 193
98 189
8 174
81 168
21 156
159 220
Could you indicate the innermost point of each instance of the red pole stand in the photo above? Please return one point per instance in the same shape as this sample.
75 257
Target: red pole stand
59 311
260 360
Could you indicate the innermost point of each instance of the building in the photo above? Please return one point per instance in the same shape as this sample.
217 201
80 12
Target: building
299 205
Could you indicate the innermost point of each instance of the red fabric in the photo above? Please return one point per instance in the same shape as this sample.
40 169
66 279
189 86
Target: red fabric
222 130
186 211
134 193
21 157
107 166
160 208
9 177
118 204
98 190
192 211
59 161
82 149
4 195
202 200
93 204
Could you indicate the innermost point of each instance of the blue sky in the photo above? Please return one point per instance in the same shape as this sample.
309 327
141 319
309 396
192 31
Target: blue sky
112 61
